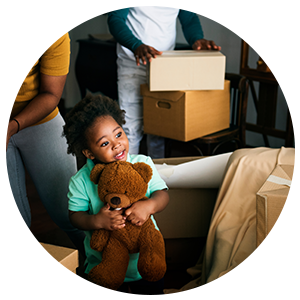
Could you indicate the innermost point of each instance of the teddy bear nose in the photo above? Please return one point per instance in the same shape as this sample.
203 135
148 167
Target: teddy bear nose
115 200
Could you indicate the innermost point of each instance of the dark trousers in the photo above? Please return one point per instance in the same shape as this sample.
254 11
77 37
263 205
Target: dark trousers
143 287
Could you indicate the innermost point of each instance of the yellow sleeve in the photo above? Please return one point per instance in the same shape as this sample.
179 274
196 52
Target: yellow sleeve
56 60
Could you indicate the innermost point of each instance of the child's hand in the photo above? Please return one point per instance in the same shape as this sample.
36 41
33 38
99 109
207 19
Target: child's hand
145 52
139 212
109 219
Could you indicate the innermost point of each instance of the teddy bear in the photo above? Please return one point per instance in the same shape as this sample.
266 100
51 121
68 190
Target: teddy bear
120 184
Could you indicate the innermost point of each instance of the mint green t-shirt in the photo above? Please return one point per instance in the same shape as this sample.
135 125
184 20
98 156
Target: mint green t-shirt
83 196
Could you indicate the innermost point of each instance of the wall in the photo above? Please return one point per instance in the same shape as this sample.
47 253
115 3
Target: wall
97 25
231 46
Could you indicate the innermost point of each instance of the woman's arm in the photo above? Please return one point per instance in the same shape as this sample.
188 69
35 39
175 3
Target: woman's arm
51 88
50 91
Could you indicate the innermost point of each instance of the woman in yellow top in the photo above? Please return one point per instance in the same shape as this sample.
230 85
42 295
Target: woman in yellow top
34 139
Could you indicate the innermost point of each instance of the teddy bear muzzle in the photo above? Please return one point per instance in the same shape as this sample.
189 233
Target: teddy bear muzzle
117 200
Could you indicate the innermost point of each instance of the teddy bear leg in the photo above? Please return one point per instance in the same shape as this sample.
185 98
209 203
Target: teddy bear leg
152 261
110 273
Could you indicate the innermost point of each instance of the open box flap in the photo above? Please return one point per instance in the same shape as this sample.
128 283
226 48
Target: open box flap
170 95
200 173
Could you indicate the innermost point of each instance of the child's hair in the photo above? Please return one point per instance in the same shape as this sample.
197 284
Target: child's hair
82 117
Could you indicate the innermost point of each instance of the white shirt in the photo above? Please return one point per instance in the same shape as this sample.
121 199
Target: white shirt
155 26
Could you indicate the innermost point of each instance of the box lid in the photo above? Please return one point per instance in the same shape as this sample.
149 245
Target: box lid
34 270
169 95
189 53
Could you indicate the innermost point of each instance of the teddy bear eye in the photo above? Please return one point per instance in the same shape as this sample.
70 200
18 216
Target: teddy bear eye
126 192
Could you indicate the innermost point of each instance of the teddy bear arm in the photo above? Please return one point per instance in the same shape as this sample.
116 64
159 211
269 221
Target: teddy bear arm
99 239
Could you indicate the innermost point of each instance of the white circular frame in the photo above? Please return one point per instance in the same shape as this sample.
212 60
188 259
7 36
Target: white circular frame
271 231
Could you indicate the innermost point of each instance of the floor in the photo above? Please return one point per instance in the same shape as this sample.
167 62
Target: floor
46 231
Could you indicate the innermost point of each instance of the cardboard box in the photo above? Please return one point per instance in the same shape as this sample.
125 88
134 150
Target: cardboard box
11 218
189 211
185 222
187 70
277 262
36 276
186 115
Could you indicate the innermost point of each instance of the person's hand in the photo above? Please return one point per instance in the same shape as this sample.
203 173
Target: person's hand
205 45
139 212
109 219
11 130
144 53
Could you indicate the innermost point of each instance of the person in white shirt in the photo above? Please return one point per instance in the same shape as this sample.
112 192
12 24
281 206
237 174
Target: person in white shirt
142 33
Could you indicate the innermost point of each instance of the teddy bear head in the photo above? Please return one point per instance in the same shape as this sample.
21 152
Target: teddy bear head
121 183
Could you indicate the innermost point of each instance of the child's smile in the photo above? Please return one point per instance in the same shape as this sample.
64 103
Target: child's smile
120 156
107 141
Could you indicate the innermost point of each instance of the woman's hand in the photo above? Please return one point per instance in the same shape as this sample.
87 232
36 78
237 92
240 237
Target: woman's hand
205 45
11 130
144 53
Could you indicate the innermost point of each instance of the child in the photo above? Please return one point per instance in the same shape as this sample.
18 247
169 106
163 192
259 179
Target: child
94 128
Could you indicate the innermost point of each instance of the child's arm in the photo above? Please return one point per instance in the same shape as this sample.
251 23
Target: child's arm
104 219
140 211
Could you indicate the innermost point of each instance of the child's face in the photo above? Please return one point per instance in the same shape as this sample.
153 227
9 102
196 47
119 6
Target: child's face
107 141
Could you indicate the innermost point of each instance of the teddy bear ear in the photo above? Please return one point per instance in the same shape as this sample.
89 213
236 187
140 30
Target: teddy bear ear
144 170
96 172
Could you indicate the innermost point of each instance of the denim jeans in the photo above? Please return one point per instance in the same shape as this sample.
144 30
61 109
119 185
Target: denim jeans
42 150
130 78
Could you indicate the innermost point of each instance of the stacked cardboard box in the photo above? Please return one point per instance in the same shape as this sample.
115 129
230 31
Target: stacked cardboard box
187 70
36 276
186 96
184 223
277 262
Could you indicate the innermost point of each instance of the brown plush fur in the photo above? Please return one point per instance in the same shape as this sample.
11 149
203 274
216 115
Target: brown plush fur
129 182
